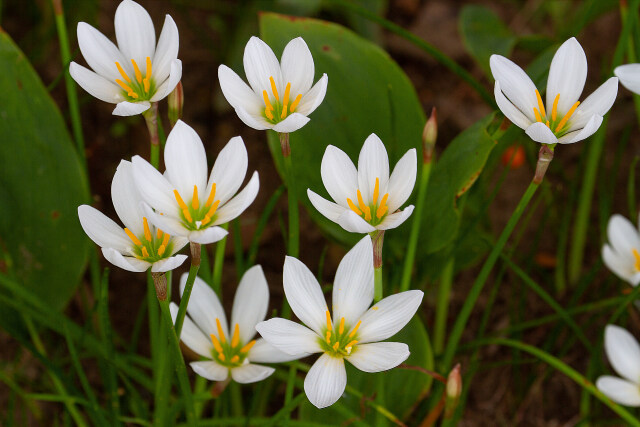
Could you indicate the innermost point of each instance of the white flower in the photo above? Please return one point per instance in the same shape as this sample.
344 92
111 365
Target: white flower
563 119
185 203
210 337
629 75
140 245
355 330
622 254
367 198
135 73
623 353
280 96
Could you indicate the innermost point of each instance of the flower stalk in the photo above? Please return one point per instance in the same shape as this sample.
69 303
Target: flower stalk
294 218
377 238
151 118
193 272
545 155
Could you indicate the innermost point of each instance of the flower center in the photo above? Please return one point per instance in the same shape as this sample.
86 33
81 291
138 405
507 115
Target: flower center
139 89
150 248
195 216
636 255
556 126
338 342
227 353
374 213
277 111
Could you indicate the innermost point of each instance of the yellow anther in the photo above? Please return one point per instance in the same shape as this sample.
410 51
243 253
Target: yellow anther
165 240
213 210
267 103
354 330
341 327
221 357
269 114
273 88
383 208
122 73
133 95
284 112
328 316
235 359
367 213
535 111
220 331
159 233
540 104
124 86
147 232
328 337
548 124
195 203
212 195
235 340
137 71
161 250
183 206
147 85
376 191
335 346
247 347
352 343
554 110
145 252
295 103
354 207
147 79
133 237
206 220
216 343
567 116
637 257
361 204
285 100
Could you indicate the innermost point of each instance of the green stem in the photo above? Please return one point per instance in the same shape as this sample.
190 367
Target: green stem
188 287
377 238
377 281
151 118
294 220
442 306
218 263
107 339
291 379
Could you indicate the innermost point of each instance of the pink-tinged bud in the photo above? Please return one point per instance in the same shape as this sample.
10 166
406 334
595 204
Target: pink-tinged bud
176 101
429 136
453 391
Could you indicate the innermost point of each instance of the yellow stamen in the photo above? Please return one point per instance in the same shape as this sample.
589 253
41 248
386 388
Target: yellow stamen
376 191
267 103
269 114
353 332
216 343
213 209
235 359
137 71
352 343
165 240
284 112
335 346
195 203
212 195
247 347
147 85
354 207
554 110
295 103
383 208
147 79
540 104
535 111
122 73
637 257
328 316
133 237
273 88
367 213
161 250
285 101
235 340
341 327
133 95
124 86
147 232
159 233
328 337
220 331
548 124
567 116
361 204
183 206
221 357
145 252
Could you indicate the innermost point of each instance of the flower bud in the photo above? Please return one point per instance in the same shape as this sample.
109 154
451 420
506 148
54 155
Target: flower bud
453 391
429 136
176 101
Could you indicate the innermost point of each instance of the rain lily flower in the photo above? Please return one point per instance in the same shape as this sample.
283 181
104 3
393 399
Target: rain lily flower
140 245
623 353
629 75
622 254
366 199
354 331
135 73
185 203
563 119
281 96
210 337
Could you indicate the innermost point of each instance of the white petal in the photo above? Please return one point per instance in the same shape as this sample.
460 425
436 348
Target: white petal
210 370
260 64
237 92
125 262
326 381
567 75
168 264
339 175
250 373
304 295
100 53
388 316
540 132
186 162
290 337
515 84
395 219
623 236
598 103
178 243
629 75
102 230
402 180
373 163
510 110
238 204
208 235
590 128
314 97
154 187
165 223
353 223
255 121
166 51
379 356
126 108
204 307
250 303
95 84
135 33
329 209
623 352
292 123
191 335
297 67
622 267
169 84
353 285
263 352
229 170
126 198
619 390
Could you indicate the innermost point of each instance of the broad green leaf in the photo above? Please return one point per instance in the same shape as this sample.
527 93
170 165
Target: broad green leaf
41 185
484 34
